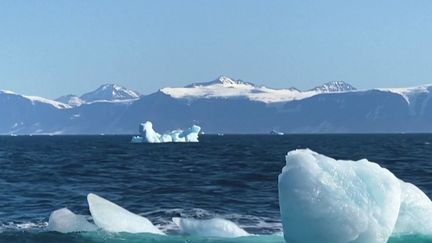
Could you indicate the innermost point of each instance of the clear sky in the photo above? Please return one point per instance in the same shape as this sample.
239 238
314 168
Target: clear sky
54 47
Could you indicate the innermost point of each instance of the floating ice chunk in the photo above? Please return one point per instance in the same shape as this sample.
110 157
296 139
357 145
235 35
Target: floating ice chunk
210 228
148 135
274 132
415 215
137 139
334 201
114 218
65 221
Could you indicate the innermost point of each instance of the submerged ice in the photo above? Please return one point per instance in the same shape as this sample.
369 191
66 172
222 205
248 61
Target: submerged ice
65 221
148 135
334 201
113 218
215 227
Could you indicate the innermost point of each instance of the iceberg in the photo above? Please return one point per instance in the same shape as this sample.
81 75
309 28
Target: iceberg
415 214
113 218
137 139
149 135
274 132
339 201
65 221
333 201
216 227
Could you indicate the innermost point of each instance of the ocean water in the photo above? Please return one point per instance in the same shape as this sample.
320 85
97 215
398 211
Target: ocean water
231 176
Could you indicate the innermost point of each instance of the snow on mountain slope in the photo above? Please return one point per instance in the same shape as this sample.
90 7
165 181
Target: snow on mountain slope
37 99
225 87
71 100
334 86
110 92
226 106
411 93
417 97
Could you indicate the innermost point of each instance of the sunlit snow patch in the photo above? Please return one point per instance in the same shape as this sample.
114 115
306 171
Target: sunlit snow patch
65 221
216 227
113 218
148 135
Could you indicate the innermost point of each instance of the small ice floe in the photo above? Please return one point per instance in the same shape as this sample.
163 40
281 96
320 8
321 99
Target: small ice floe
65 221
113 218
148 135
215 227
274 132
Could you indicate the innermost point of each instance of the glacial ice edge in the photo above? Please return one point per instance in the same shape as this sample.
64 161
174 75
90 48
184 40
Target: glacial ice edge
339 201
149 135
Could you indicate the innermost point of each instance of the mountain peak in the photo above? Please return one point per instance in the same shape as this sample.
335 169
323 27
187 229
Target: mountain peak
227 81
334 86
111 87
110 92
224 81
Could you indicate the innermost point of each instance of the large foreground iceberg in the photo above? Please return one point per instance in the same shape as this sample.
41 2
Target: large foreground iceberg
148 135
113 218
415 214
65 221
216 227
334 201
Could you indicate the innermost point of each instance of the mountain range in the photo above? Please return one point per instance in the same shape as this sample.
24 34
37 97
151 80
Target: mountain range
224 105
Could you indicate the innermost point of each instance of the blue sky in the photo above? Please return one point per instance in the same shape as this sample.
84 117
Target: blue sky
54 47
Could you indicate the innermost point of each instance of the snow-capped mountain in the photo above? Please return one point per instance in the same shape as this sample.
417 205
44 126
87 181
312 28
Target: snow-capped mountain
334 86
110 92
224 105
222 80
22 114
225 87
34 100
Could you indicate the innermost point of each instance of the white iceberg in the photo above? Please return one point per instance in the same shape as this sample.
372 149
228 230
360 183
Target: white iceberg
216 227
415 215
65 221
148 135
113 218
335 201
137 139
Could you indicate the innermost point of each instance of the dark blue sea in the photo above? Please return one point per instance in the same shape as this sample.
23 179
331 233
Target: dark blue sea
231 176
